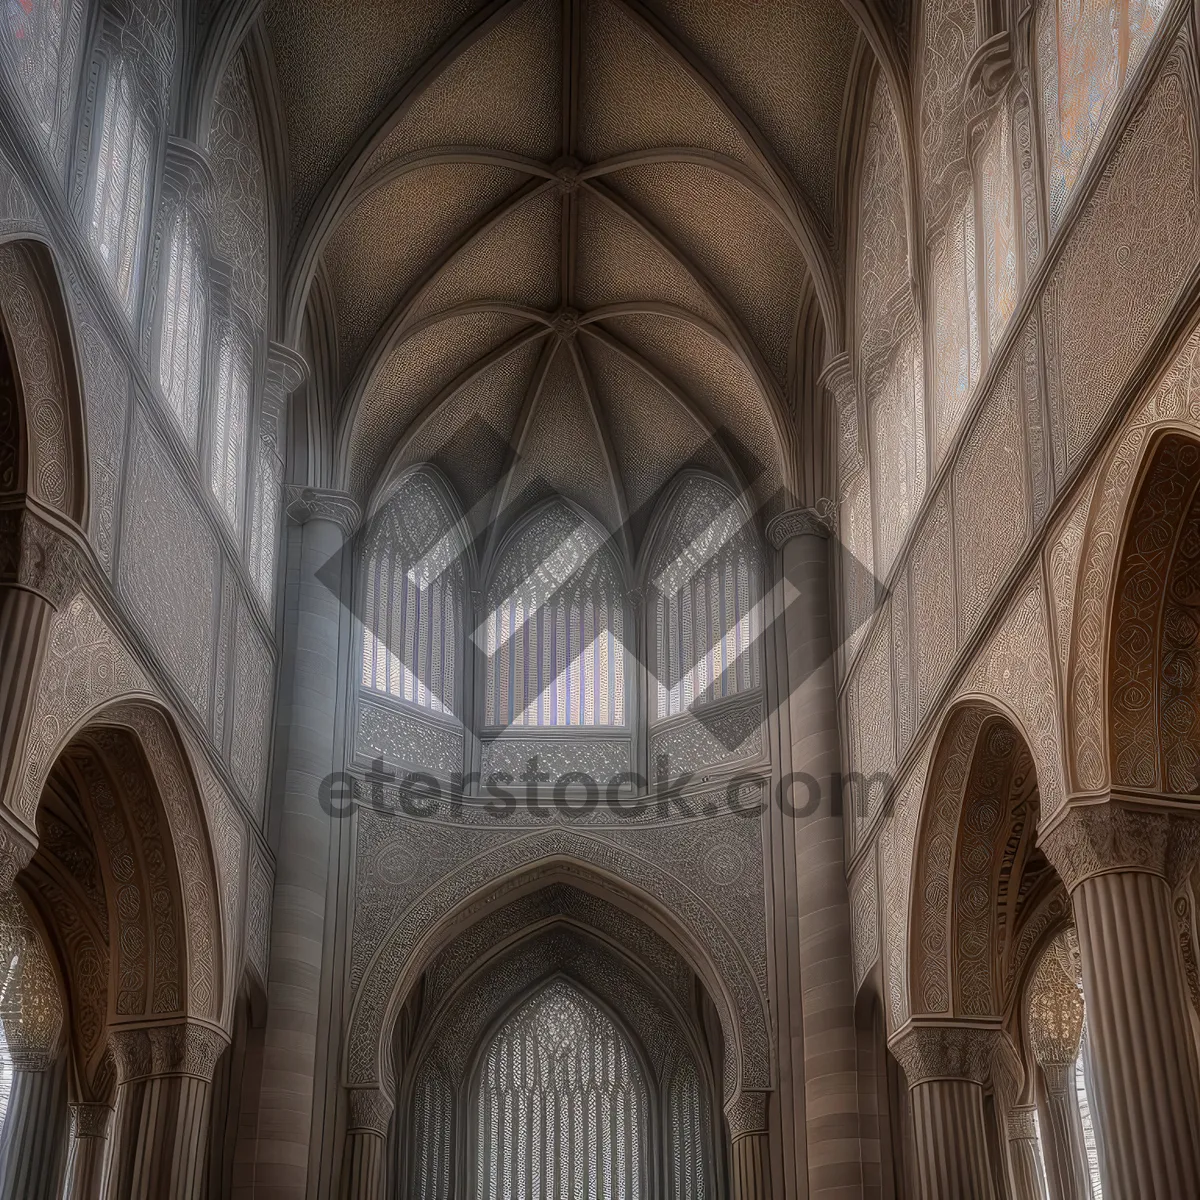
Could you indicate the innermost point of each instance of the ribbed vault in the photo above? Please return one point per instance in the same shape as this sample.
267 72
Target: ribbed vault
537 224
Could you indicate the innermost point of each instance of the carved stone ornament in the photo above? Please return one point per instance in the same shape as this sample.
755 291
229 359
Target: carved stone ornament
319 504
746 1113
1091 839
370 1111
819 521
187 1048
1020 1124
15 853
90 1120
928 1052
34 554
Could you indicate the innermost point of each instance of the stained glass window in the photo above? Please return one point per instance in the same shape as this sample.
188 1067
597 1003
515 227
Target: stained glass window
229 422
413 598
1086 51
705 601
998 236
122 167
181 344
956 359
562 1108
33 36
432 1135
686 1157
554 628
264 526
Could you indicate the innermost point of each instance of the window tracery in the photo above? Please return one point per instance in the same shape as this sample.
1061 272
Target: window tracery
414 590
432 1134
562 1108
264 522
39 41
955 336
687 1161
555 627
230 415
998 234
182 335
122 173
1085 55
705 583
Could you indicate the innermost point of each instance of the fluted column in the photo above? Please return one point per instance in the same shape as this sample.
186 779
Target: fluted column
308 721
1062 1134
33 1142
39 570
749 1147
1024 1157
946 1068
1119 864
364 1172
162 1110
90 1124
812 895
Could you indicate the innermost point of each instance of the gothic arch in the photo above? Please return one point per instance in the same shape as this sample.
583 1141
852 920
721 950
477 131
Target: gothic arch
594 865
36 325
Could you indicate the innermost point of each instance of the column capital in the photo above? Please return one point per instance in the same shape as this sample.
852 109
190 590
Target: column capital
1020 1123
971 1052
370 1110
37 555
746 1114
818 521
838 373
320 504
16 850
90 1120
1090 838
186 1048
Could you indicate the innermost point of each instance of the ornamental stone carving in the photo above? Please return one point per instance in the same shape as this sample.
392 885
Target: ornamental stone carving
319 504
15 852
187 1048
370 1111
929 1052
90 1120
1091 839
818 521
746 1114
38 555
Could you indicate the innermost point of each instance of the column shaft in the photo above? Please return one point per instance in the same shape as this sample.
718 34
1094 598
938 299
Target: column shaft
1145 1074
88 1150
951 1141
1063 1135
829 1067
33 1142
1024 1158
750 1167
308 721
24 619
364 1172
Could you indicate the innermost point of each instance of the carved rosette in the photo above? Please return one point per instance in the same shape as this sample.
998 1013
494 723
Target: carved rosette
36 555
370 1111
818 521
90 1120
1093 839
974 1053
746 1113
319 504
187 1048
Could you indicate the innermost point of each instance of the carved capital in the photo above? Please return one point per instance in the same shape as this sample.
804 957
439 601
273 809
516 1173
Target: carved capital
818 521
36 555
1088 839
987 76
319 504
187 1048
1020 1123
15 852
370 1110
90 1120
746 1113
974 1053
286 370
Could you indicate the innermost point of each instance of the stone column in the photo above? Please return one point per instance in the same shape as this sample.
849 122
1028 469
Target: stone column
365 1172
302 830
34 1139
749 1147
815 897
946 1067
1119 863
87 1150
1024 1157
39 570
162 1110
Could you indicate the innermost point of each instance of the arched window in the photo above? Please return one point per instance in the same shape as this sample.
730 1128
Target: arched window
998 236
229 422
555 628
687 1160
264 525
1085 54
181 340
413 599
705 588
956 351
37 36
122 169
562 1107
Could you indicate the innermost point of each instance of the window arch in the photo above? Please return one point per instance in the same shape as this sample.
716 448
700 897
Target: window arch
555 628
414 588
562 1107
182 335
705 594
122 172
230 414
1085 55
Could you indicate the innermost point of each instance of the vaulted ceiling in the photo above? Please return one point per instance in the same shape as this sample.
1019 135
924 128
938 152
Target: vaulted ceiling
564 245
